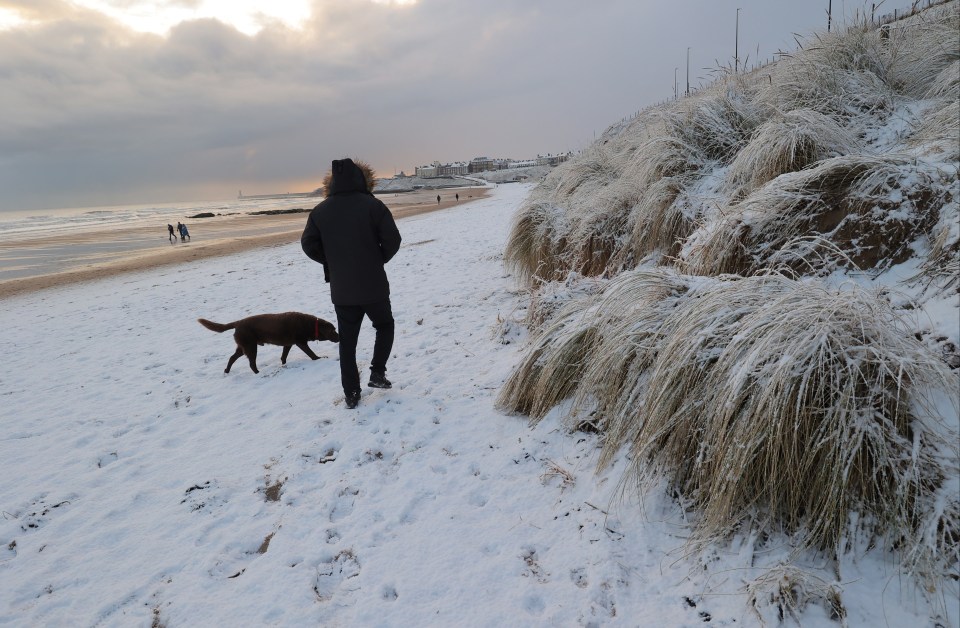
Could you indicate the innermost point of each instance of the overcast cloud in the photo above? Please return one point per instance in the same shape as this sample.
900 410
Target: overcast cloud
96 113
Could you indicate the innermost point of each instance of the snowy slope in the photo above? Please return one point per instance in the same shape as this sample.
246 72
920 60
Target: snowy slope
144 486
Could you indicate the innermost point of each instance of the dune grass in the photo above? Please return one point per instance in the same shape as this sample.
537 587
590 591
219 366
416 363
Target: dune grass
872 207
708 348
532 247
808 409
787 143
925 51
946 84
941 268
939 130
840 74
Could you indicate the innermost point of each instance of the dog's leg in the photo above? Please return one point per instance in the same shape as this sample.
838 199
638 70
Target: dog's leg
306 349
286 352
233 358
251 352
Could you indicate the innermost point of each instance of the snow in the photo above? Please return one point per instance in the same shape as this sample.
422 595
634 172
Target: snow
143 485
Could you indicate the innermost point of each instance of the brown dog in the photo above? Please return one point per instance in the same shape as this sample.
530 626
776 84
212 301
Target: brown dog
286 330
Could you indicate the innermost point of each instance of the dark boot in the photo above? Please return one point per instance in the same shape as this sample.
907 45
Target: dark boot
352 399
378 380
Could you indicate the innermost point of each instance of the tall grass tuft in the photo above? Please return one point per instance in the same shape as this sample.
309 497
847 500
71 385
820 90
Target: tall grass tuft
924 50
807 402
532 247
871 207
838 74
939 130
659 221
941 268
717 123
811 410
550 372
787 143
946 84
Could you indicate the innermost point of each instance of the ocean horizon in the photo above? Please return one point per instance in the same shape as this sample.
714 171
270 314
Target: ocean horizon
21 224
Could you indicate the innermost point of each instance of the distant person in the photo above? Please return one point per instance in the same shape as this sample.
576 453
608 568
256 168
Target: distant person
438 199
352 233
458 196
173 238
186 232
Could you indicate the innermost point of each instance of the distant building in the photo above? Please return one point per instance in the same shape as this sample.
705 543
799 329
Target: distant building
453 170
481 164
485 164
427 172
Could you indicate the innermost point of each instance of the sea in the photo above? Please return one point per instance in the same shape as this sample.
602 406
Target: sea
18 225
42 242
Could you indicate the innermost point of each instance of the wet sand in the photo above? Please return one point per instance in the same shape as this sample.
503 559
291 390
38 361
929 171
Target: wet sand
87 256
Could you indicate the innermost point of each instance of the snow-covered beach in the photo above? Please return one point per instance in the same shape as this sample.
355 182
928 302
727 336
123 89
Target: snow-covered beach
143 486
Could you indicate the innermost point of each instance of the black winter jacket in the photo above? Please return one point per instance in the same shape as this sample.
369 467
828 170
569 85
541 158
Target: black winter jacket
352 233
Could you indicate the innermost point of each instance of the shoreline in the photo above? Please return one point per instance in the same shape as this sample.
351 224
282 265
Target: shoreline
232 236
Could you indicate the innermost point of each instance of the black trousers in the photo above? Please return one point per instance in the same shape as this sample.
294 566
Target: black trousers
349 320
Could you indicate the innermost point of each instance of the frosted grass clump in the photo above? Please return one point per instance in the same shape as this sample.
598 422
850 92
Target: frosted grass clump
532 245
785 591
808 402
925 50
946 84
871 207
938 134
787 143
563 349
941 268
808 410
717 123
840 74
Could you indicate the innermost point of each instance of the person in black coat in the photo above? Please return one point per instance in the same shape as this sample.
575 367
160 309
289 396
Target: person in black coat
353 234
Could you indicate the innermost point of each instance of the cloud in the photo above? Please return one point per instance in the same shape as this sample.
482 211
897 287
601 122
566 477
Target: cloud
99 113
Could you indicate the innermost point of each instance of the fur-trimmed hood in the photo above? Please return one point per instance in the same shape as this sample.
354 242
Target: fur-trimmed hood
348 175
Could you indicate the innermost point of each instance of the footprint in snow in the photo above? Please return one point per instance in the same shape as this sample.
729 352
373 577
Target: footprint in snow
337 576
343 504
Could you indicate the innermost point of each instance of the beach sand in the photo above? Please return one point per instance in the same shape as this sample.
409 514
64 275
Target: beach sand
93 257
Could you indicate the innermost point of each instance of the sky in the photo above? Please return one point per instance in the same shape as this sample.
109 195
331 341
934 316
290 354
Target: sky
108 102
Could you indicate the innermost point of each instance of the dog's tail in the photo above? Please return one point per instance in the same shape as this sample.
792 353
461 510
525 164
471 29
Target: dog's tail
217 327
